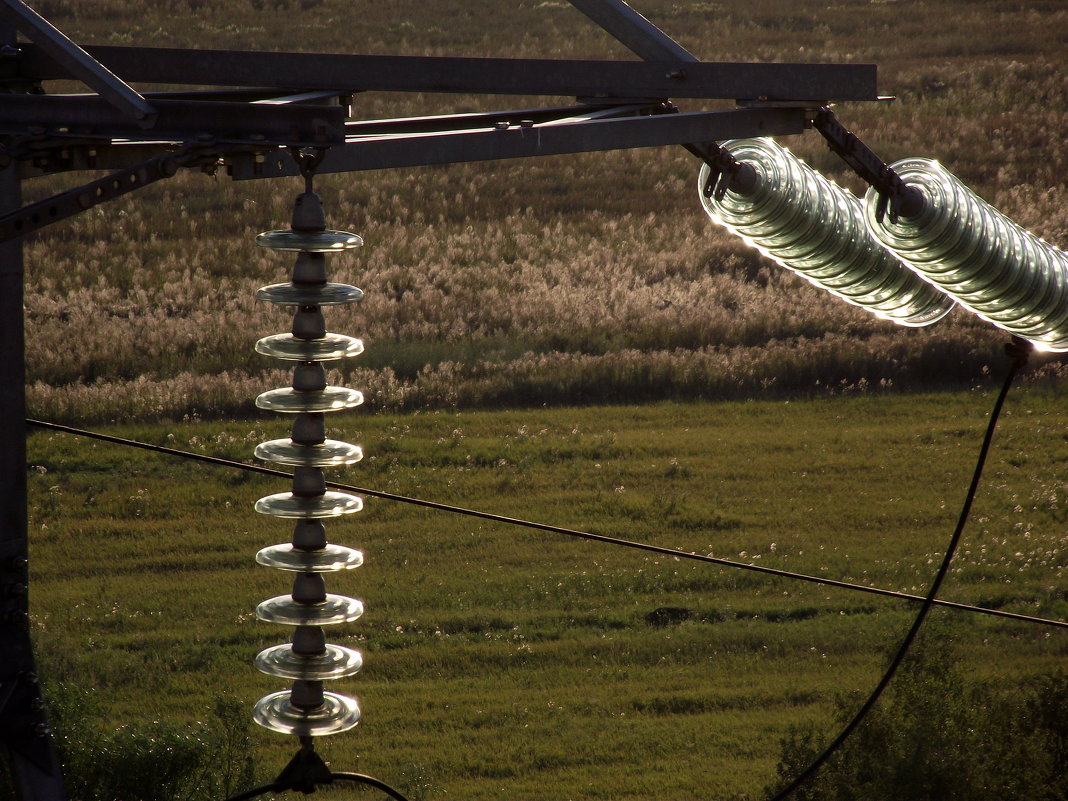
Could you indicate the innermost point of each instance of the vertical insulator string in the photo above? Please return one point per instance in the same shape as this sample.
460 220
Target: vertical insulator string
307 709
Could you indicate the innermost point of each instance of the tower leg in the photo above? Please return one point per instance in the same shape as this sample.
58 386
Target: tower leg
24 730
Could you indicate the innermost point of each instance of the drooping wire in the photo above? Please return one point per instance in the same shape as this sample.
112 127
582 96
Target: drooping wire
355 778
345 776
568 532
1018 351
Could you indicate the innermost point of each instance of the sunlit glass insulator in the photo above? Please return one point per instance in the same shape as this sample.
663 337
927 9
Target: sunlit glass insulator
810 225
306 709
977 255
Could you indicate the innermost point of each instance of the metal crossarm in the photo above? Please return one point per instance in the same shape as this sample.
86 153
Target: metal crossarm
520 137
518 76
88 116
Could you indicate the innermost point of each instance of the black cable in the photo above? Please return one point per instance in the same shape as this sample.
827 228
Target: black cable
1018 352
307 771
360 778
673 552
356 778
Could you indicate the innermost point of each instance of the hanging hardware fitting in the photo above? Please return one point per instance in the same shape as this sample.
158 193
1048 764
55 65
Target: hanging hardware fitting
895 196
725 171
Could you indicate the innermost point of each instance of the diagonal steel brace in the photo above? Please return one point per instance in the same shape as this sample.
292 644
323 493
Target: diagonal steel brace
74 201
83 66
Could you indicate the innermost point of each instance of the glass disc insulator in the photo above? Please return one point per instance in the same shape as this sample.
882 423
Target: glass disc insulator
335 609
338 713
321 349
330 453
336 663
328 559
309 241
294 401
310 294
315 507
808 224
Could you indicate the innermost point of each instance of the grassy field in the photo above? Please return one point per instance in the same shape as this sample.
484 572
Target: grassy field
569 340
504 663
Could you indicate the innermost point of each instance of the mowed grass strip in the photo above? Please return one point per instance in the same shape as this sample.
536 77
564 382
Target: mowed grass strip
506 662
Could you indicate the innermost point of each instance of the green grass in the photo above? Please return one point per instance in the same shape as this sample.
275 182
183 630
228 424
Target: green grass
502 662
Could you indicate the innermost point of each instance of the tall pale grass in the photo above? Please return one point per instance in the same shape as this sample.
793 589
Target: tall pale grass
541 271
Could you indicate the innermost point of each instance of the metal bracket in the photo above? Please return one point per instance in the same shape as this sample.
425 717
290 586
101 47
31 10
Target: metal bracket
725 172
74 201
894 194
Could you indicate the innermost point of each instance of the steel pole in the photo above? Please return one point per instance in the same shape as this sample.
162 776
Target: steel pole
24 731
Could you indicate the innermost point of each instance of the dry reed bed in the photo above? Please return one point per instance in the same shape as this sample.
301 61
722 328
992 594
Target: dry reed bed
559 280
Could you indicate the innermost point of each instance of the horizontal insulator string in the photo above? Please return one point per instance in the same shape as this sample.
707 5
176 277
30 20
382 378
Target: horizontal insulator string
568 532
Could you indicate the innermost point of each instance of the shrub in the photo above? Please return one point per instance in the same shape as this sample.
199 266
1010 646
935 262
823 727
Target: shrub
936 736
151 760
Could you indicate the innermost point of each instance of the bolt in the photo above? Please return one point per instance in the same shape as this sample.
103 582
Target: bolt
504 125
676 75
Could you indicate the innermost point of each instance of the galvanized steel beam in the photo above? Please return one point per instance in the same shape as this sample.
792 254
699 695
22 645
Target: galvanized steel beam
551 77
82 116
519 140
24 732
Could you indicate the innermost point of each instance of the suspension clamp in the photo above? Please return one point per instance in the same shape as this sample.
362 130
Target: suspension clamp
308 161
304 773
724 171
